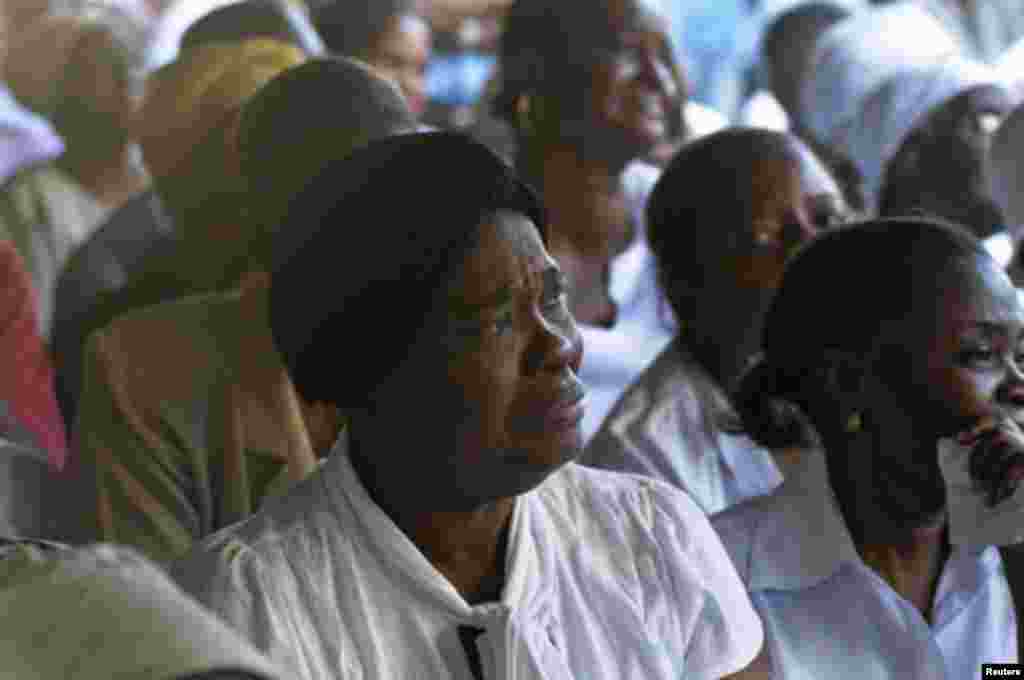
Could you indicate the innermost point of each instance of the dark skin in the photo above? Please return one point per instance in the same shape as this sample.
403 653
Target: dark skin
499 359
966 368
790 199
575 146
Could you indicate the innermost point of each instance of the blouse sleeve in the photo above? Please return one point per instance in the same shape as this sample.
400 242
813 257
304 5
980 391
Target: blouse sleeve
714 621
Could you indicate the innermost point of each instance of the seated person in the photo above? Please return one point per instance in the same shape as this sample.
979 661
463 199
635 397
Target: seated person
87 85
104 612
171 451
390 35
449 534
141 228
720 254
851 60
1005 175
27 402
884 338
590 89
186 125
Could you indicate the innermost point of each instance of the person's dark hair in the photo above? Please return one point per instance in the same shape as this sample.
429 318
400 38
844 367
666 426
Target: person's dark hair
696 210
297 123
351 28
245 20
844 292
388 228
804 19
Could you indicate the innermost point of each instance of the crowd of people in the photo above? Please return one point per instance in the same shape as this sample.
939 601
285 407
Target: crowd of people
304 380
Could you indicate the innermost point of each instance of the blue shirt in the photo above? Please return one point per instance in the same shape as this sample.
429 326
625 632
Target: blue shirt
828 615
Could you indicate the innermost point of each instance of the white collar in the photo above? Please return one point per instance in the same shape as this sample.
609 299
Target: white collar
801 538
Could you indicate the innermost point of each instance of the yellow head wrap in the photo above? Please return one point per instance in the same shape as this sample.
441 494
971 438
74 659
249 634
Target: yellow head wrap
201 90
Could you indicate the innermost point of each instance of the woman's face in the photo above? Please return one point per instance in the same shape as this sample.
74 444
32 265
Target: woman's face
509 404
401 53
972 365
636 89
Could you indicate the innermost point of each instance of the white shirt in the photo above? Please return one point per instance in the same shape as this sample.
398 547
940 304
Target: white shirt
614 357
663 427
608 576
828 615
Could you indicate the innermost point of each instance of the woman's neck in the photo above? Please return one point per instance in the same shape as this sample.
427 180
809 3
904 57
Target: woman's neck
469 547
590 222
911 568
909 557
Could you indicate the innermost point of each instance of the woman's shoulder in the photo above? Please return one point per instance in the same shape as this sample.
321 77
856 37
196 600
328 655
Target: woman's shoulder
619 506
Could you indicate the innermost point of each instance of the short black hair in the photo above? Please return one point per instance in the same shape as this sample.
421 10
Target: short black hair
695 211
350 27
389 227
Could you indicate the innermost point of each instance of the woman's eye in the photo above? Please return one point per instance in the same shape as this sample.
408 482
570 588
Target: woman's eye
828 219
977 356
502 324
555 303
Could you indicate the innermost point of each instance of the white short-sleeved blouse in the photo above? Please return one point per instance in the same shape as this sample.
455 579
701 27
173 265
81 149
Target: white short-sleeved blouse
609 576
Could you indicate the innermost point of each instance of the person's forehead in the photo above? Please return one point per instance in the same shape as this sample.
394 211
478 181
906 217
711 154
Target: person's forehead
509 256
977 294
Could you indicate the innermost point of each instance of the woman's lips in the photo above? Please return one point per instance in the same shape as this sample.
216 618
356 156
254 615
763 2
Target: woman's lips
565 412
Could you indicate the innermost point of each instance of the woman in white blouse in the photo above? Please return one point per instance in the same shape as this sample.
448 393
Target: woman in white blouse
884 339
720 252
448 535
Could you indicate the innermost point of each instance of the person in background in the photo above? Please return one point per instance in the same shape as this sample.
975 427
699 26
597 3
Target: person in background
225 405
589 89
1005 174
104 612
441 538
931 130
142 230
720 254
29 408
87 84
186 130
850 563
787 48
852 59
26 139
390 35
